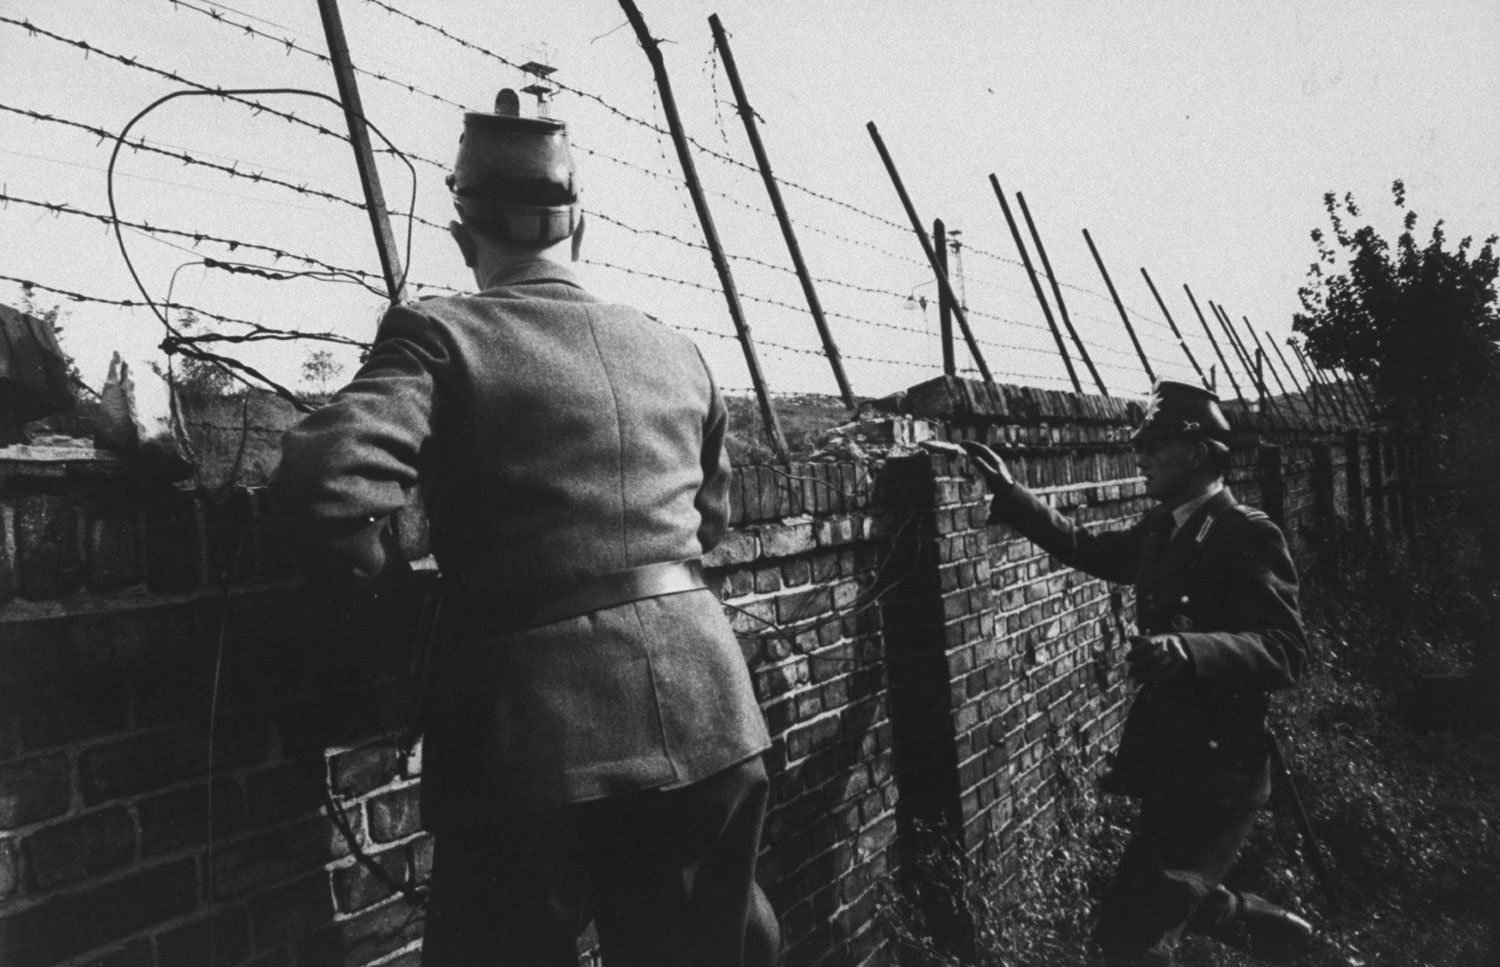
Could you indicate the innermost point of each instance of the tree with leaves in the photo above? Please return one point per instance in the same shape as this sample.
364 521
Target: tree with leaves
1418 320
321 368
197 381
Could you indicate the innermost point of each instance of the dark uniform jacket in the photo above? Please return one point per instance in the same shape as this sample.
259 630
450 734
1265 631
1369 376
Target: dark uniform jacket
1226 584
558 438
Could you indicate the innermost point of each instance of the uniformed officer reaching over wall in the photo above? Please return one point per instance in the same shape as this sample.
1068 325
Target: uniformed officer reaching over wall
593 744
1219 629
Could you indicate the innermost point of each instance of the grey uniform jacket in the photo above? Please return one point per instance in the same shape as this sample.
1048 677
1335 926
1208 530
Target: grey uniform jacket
1226 584
557 438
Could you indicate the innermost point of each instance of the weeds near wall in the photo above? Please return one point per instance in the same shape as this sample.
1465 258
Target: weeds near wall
1410 818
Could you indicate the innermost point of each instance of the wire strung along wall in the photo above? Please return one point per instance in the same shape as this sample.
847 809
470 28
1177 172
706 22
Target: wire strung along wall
264 206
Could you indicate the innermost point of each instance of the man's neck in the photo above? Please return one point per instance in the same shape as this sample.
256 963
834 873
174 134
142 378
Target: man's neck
1184 508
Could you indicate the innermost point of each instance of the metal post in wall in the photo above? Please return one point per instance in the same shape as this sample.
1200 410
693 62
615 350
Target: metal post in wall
763 161
1036 286
945 309
1145 363
652 46
364 156
1173 323
942 278
1057 296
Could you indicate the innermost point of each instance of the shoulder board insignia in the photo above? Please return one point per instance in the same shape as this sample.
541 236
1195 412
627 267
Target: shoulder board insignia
1208 525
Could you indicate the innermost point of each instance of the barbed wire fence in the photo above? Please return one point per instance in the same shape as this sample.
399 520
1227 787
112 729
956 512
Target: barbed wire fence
643 241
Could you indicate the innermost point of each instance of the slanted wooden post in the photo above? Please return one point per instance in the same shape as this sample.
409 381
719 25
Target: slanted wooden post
942 277
1062 306
1036 286
763 161
1173 323
364 157
1208 331
1125 318
652 46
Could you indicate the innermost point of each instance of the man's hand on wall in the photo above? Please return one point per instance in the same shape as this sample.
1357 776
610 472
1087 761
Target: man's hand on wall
1157 658
994 471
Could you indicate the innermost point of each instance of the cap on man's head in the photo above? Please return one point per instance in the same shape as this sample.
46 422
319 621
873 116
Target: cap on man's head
1184 411
514 176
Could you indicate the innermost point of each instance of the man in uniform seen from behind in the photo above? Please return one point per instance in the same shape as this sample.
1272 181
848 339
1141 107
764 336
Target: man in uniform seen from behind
1219 629
593 744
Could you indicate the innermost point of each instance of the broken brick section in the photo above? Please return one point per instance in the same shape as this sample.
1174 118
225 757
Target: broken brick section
177 709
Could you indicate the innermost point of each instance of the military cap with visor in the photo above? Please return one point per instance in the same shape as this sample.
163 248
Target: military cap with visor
1183 411
514 176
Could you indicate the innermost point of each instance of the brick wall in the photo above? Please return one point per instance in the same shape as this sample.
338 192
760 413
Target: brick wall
177 711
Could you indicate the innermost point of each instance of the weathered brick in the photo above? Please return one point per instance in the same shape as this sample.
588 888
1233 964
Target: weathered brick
355 887
34 789
802 605
279 854
182 817
136 953
223 938
359 771
286 790
737 547
10 868
71 708
49 560
292 910
786 539
349 943
76 848
141 763
395 814
73 923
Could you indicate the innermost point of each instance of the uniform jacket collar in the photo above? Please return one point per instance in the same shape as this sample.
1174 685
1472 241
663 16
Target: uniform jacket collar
1164 555
535 270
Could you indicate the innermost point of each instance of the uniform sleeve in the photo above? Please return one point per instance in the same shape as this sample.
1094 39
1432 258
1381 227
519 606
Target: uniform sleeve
1267 648
712 500
346 467
1111 555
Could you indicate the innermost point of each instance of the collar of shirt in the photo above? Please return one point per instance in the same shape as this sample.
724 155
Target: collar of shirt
534 270
1182 512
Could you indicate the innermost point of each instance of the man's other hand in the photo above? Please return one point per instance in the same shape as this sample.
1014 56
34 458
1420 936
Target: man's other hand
1157 658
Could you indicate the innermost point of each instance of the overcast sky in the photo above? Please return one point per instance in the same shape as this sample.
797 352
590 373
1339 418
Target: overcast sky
1194 139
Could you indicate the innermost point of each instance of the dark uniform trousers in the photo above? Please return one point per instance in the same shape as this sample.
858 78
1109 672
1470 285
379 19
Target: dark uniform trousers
667 876
1194 750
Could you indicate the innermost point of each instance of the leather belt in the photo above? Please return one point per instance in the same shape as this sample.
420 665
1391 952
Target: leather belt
491 617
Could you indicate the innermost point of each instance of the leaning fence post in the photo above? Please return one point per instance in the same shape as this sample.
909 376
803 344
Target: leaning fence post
364 157
1173 323
944 285
1267 404
1062 307
652 46
1208 331
1145 363
1261 351
814 306
1036 286
1310 399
